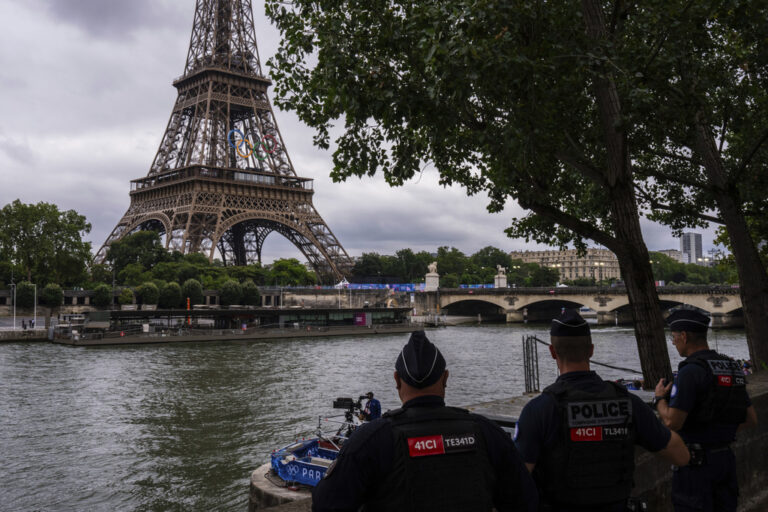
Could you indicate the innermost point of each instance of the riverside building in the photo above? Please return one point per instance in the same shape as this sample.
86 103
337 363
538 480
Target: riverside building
599 264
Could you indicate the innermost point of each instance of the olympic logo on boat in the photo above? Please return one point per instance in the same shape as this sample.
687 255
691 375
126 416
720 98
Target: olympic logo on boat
237 140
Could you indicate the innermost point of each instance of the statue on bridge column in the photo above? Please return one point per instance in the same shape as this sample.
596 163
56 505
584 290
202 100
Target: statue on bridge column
432 279
500 280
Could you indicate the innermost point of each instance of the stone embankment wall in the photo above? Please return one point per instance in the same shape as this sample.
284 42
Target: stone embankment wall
653 476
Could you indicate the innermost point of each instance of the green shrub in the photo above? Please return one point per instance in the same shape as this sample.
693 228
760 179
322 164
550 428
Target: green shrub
25 295
231 293
147 293
251 295
126 297
192 290
102 296
170 296
52 295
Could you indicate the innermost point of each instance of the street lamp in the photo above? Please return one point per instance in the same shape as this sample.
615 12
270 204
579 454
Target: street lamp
34 322
14 305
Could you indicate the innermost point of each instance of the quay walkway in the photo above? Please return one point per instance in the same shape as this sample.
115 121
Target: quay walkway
653 477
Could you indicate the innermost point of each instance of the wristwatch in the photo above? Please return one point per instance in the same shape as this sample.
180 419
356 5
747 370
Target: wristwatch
656 400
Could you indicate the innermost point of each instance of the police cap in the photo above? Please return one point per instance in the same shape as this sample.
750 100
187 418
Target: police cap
688 320
420 363
569 323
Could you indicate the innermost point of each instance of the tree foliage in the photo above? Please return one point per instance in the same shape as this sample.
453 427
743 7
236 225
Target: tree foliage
231 293
25 294
44 244
147 293
52 295
192 290
125 297
170 296
102 296
251 295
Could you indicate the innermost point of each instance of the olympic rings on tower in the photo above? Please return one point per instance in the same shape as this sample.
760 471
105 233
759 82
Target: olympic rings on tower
253 150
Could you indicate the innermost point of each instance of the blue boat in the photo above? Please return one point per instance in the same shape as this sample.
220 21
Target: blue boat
305 462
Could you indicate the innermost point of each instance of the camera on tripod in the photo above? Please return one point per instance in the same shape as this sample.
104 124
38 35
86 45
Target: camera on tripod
349 405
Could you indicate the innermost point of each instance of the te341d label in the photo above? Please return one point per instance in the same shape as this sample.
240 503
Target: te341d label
441 444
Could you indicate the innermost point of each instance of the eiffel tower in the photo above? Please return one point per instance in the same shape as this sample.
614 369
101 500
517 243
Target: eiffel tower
222 179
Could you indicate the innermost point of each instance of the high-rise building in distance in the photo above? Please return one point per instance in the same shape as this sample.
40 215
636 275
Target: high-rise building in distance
690 246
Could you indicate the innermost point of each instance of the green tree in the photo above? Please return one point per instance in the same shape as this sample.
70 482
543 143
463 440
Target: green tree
25 294
451 261
126 297
143 248
147 293
368 266
102 296
231 293
490 257
52 296
44 243
251 295
101 273
290 272
170 296
192 290
449 281
699 73
133 274
511 98
543 276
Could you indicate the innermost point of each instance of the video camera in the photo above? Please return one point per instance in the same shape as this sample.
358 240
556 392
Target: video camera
349 405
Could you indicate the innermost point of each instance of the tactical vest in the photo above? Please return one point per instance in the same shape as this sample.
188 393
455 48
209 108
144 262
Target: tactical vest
725 401
593 458
440 463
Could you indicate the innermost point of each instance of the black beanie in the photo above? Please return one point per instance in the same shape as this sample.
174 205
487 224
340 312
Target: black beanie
420 363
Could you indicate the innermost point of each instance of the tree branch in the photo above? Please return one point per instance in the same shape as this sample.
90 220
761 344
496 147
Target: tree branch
584 169
656 205
748 158
682 181
668 154
571 222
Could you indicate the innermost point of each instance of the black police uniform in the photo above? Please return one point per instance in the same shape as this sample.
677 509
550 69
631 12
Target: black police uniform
711 388
427 457
581 433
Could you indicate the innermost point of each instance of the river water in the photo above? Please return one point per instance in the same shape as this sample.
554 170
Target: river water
182 426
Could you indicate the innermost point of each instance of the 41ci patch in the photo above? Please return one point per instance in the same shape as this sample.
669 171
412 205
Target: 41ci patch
439 444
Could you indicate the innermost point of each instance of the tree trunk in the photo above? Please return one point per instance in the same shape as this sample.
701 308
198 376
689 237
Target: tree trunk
629 246
634 261
753 279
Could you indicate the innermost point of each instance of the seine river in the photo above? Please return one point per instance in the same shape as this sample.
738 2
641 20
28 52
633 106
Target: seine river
182 426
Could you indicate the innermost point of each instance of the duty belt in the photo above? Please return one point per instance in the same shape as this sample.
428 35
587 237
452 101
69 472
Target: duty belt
699 452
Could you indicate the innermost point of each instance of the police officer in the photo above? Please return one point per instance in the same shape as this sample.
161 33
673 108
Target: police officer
578 436
372 409
708 404
426 456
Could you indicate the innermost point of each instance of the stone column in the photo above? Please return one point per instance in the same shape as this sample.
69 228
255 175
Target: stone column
432 279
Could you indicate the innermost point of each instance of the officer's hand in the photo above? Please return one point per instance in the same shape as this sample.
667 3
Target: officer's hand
662 388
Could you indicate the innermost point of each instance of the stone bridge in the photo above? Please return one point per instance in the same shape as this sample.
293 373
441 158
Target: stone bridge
610 304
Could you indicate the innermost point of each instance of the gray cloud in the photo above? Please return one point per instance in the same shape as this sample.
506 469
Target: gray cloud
115 19
85 94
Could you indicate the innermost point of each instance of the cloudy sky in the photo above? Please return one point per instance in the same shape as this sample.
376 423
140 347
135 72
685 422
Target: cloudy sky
85 94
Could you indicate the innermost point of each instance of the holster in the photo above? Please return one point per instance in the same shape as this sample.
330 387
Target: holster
698 455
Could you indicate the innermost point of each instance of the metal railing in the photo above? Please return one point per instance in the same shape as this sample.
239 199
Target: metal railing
531 363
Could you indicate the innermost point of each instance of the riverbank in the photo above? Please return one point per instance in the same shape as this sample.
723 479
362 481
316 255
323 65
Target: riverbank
243 335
